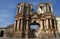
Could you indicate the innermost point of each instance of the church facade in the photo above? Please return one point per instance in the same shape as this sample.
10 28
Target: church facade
41 23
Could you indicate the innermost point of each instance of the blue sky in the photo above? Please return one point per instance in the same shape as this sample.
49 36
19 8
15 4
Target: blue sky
8 9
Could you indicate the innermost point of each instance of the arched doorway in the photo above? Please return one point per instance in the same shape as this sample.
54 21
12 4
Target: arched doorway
33 28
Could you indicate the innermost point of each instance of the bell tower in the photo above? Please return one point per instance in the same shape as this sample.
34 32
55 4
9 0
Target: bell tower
44 8
24 10
48 19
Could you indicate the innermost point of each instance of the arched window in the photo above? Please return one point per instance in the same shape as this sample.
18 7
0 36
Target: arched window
49 9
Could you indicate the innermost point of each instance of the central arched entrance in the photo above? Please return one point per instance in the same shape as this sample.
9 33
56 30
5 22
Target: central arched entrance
33 28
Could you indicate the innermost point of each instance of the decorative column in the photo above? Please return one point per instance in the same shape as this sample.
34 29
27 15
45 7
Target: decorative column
21 29
26 31
51 24
47 24
41 24
27 25
44 24
18 25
